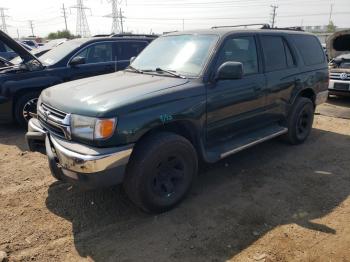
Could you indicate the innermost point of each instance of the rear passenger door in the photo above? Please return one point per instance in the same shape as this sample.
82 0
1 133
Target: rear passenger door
126 50
281 74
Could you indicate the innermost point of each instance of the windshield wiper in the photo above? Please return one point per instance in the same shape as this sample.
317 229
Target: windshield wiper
170 72
135 69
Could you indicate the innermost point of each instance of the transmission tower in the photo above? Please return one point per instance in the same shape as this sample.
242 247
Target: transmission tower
3 19
116 23
82 24
273 15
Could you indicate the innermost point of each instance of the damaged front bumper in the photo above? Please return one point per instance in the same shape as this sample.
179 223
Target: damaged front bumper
77 163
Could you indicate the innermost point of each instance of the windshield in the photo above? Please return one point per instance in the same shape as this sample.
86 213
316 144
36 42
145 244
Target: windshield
59 52
184 54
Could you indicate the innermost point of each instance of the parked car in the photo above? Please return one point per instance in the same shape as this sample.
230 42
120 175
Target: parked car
21 85
190 95
338 46
32 43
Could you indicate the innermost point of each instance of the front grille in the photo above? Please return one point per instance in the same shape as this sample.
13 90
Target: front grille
340 76
54 120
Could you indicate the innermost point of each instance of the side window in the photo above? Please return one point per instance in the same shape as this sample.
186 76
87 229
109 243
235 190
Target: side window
240 49
289 56
128 49
274 53
97 53
310 49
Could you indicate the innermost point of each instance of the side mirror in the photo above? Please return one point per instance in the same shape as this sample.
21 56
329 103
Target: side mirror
78 60
229 70
132 59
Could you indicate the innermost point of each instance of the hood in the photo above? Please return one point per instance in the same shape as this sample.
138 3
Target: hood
338 44
18 48
97 95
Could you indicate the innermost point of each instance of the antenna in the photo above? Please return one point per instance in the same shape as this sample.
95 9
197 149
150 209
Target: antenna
82 24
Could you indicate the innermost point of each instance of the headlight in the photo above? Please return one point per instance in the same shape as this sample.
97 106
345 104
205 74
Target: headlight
91 128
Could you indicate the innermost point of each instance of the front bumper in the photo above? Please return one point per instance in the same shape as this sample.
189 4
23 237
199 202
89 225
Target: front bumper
332 82
80 164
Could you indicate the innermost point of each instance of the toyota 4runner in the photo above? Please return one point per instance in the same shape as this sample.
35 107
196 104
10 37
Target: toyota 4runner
189 95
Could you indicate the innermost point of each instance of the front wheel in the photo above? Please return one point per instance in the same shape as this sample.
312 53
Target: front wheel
300 121
161 172
25 108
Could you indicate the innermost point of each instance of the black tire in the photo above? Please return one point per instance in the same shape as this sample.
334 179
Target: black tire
300 121
25 104
160 172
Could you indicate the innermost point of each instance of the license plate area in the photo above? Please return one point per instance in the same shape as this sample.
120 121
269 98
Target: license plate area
342 86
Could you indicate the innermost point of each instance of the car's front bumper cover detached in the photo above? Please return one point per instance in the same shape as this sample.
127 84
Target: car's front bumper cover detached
77 163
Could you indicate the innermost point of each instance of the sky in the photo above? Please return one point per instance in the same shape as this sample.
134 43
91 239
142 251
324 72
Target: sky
146 16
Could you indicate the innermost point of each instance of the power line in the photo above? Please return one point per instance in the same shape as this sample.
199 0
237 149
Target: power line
64 16
82 24
273 15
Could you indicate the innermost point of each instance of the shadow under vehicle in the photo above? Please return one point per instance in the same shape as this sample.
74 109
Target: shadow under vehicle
22 83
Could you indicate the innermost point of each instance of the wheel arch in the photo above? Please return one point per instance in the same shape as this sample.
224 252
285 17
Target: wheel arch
184 128
307 93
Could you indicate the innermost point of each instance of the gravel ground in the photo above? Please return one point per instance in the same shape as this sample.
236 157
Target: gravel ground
273 202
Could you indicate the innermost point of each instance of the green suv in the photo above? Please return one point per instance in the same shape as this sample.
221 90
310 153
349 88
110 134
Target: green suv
191 95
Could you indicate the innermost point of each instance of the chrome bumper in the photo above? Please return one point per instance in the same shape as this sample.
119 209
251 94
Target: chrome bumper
321 97
82 163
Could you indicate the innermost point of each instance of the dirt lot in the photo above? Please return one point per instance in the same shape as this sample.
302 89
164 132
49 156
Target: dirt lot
273 202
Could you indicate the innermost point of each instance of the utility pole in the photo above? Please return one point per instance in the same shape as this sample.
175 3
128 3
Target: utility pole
82 24
330 14
64 16
3 19
31 26
273 15
121 20
116 17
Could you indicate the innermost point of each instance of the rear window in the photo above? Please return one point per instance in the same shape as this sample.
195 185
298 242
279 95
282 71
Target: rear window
310 49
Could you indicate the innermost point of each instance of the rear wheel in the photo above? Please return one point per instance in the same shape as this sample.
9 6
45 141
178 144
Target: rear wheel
300 121
161 172
25 108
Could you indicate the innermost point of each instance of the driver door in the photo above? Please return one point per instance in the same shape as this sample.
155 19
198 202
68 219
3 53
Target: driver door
236 106
99 59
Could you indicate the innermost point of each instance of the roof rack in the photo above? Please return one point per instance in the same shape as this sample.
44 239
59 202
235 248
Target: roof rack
133 35
263 26
102 35
292 28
